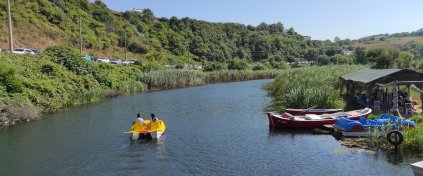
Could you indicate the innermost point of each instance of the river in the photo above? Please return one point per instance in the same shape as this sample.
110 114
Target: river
216 129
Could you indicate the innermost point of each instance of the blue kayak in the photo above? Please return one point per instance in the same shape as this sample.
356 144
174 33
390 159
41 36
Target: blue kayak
364 127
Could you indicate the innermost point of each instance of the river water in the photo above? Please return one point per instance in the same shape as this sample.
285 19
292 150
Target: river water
217 129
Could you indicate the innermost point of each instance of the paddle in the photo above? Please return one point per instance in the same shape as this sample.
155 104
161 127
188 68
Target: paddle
307 110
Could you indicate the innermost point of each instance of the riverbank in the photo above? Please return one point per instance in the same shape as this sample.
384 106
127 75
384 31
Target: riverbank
33 85
303 88
311 86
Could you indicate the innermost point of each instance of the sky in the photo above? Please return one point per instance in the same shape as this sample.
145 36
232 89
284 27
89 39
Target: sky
320 19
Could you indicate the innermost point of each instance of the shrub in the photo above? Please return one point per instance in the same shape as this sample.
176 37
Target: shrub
69 58
9 79
215 66
238 64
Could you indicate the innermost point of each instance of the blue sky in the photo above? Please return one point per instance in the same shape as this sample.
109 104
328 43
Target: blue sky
321 19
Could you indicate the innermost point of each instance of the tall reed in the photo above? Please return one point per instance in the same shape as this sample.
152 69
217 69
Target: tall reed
186 78
310 86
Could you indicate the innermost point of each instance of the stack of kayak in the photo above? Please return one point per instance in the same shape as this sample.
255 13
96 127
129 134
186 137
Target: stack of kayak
364 127
310 120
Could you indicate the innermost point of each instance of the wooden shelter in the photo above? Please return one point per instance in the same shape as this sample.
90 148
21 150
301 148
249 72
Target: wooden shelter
382 85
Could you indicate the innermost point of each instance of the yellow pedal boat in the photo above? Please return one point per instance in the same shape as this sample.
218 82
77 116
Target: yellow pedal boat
148 130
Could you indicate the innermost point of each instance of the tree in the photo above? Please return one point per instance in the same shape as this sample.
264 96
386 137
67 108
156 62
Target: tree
383 58
337 39
238 64
360 55
405 59
324 60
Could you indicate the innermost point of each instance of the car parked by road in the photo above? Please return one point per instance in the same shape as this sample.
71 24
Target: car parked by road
37 52
103 60
22 51
116 62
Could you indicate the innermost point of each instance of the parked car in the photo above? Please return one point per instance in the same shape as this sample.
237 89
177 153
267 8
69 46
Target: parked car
103 60
19 51
88 58
127 62
22 51
28 51
116 62
37 52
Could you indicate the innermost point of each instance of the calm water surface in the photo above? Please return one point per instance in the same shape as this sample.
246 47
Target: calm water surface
218 129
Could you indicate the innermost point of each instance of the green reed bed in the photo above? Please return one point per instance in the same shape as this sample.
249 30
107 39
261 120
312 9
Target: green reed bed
310 86
169 79
172 79
240 75
413 138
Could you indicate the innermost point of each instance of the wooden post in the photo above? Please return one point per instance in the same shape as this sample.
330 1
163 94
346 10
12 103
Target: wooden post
125 45
9 18
395 109
80 36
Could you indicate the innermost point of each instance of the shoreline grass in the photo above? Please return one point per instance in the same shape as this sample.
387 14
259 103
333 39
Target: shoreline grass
310 86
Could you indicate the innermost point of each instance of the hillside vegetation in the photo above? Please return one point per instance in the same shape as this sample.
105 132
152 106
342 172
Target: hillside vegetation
43 23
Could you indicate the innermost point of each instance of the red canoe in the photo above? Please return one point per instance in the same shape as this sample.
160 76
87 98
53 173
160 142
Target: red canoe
312 120
312 111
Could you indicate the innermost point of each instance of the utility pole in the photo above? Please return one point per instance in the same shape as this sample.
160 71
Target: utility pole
80 36
10 27
125 45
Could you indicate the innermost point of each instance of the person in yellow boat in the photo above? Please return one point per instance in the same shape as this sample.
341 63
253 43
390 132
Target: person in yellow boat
154 118
139 119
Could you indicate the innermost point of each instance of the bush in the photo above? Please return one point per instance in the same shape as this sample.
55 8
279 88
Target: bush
260 66
9 79
238 64
69 58
151 66
215 66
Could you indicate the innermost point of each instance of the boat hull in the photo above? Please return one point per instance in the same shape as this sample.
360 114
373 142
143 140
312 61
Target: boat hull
417 168
288 121
312 111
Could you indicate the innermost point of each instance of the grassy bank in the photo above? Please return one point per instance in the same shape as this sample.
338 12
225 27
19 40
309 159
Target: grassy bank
31 85
310 86
169 79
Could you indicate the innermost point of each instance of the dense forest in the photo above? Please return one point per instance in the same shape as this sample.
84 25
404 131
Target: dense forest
44 23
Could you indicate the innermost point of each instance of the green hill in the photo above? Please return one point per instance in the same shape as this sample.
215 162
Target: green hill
43 23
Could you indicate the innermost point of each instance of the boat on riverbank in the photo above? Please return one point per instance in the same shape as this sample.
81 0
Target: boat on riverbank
147 130
417 168
364 127
287 120
311 111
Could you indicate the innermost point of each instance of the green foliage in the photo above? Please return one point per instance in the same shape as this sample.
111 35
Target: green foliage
9 80
151 66
360 55
260 66
238 64
103 31
405 60
383 58
215 66
69 58
184 78
303 88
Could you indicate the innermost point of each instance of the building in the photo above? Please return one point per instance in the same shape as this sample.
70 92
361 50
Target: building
306 37
388 88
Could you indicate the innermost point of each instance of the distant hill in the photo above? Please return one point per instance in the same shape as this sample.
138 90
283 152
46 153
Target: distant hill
43 23
392 42
395 40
